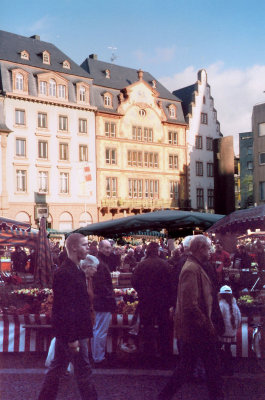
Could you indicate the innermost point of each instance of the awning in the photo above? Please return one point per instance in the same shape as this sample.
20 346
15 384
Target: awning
240 221
176 222
14 237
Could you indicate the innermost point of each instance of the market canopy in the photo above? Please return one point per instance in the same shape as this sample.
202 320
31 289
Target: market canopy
240 221
176 222
15 237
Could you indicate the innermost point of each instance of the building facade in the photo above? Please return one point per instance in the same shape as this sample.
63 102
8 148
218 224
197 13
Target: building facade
203 129
258 129
246 169
47 131
141 152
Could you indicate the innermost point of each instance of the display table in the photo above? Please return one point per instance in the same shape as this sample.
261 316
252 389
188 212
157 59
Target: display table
15 337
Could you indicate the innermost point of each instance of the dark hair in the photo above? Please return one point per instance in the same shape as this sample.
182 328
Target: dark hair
228 297
152 249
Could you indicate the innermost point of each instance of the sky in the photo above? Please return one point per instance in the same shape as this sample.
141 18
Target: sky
171 39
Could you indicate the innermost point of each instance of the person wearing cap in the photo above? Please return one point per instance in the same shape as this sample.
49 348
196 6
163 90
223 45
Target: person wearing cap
194 323
232 320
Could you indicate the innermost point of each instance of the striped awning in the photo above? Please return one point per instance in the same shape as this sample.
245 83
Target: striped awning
15 237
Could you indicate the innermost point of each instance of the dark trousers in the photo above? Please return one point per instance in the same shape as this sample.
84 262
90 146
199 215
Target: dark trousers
82 371
190 352
149 320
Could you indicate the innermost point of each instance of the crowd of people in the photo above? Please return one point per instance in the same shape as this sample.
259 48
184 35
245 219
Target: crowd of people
180 286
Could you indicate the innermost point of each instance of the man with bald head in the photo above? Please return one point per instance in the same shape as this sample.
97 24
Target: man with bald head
72 325
104 303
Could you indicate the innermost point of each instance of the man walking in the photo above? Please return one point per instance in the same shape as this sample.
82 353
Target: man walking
71 320
104 303
194 324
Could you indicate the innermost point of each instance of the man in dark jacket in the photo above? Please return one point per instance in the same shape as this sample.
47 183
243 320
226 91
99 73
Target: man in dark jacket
151 280
104 303
71 320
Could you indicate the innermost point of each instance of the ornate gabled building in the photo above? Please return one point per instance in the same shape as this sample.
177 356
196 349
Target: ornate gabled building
203 128
140 142
47 132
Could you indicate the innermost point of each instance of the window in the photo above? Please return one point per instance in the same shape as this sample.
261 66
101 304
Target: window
135 158
110 129
262 158
43 87
209 143
198 142
210 169
199 168
110 156
142 113
63 123
142 134
24 55
139 134
46 57
21 147
43 149
173 137
111 187
200 198
151 188
204 100
250 165
204 118
52 88
82 125
172 111
173 190
43 182
135 188
20 117
62 91
63 151
262 191
107 100
42 120
250 151
66 64
21 180
19 82
262 129
83 153
210 198
173 161
64 182
82 93
151 160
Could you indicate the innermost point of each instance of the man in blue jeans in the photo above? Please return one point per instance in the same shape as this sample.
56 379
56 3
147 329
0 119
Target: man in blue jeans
104 303
71 320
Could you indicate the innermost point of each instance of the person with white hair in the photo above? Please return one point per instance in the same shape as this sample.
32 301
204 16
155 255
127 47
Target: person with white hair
89 266
194 325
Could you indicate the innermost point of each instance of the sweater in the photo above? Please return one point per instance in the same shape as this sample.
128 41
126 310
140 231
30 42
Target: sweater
225 310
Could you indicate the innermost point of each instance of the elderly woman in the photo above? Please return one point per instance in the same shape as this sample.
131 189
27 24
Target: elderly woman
89 266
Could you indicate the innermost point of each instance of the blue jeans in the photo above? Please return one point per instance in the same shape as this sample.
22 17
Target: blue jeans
82 371
100 331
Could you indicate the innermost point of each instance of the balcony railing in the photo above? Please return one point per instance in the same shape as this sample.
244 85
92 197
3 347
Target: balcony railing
144 203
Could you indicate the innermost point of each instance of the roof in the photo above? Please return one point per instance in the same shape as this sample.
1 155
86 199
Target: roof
11 46
186 96
122 77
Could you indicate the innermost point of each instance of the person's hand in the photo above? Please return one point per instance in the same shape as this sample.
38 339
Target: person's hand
74 346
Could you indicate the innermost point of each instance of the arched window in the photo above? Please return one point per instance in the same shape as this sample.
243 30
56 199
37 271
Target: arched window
52 88
85 219
22 217
19 82
66 222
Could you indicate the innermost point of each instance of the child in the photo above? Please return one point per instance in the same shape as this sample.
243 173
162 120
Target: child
232 320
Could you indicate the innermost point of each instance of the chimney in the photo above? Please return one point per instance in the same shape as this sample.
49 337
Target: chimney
37 37
140 74
93 56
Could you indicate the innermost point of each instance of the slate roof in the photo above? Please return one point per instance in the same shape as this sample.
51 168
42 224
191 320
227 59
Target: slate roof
120 78
186 95
11 45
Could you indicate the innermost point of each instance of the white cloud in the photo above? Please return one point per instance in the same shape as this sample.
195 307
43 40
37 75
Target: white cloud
235 92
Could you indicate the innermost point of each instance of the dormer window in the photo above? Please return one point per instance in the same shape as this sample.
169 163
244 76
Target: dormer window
107 72
154 84
108 100
172 111
46 57
61 91
19 82
82 92
43 88
66 64
24 55
52 88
